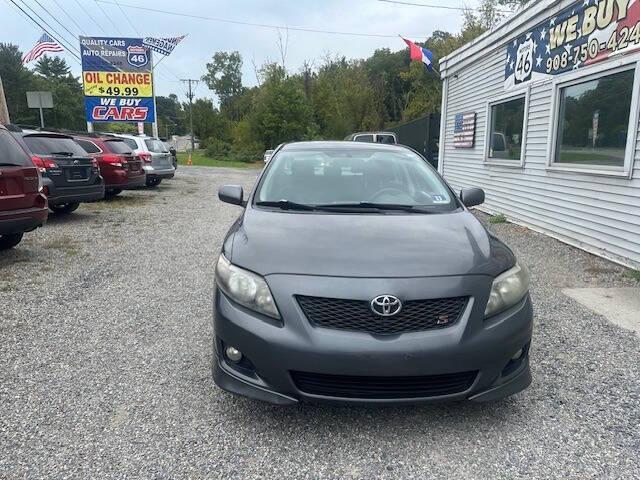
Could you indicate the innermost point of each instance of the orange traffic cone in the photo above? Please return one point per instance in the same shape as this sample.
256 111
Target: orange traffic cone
189 162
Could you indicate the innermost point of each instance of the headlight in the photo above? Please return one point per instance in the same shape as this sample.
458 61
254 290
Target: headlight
245 288
507 290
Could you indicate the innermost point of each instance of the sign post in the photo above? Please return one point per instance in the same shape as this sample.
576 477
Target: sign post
118 80
40 100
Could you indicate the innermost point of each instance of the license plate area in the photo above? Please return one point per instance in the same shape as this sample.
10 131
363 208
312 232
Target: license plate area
77 173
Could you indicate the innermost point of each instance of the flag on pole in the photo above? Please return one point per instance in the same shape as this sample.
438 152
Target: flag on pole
419 54
163 45
43 45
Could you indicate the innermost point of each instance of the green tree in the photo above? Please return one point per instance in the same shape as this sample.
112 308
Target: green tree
16 80
224 77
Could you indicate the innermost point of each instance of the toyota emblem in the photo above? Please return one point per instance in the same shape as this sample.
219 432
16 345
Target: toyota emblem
386 305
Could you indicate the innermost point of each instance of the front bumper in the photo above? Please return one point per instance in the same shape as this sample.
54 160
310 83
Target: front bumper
272 351
79 194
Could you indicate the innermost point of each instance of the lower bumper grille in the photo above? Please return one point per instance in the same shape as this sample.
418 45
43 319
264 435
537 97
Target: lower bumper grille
356 315
383 388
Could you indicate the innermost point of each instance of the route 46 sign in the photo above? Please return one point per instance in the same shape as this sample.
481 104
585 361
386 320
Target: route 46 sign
524 62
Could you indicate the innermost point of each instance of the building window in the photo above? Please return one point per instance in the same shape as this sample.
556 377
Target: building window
507 127
593 121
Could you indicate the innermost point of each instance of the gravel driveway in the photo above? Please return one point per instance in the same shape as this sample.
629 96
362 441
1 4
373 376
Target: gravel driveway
105 351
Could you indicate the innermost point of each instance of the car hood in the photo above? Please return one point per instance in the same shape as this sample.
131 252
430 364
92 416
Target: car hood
274 242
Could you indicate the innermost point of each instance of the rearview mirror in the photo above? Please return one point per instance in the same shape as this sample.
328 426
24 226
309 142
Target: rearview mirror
472 197
233 194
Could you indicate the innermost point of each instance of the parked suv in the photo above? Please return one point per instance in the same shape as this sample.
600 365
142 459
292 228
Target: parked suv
119 166
69 175
156 159
23 207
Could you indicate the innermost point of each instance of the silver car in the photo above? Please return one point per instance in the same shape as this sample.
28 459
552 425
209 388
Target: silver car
156 159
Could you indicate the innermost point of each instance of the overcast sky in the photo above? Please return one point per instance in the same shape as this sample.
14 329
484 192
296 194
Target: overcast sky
254 43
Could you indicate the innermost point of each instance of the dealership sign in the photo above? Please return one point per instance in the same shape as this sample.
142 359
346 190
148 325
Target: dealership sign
117 78
587 32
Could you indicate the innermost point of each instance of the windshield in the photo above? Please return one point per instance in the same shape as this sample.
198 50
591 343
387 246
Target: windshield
156 146
348 176
53 145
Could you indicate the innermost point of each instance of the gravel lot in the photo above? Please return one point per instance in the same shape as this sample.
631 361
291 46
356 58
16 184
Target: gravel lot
105 350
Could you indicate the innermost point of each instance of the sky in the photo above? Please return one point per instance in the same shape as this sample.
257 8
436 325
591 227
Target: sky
256 44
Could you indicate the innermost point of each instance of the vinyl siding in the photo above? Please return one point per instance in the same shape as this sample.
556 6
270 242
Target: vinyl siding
597 213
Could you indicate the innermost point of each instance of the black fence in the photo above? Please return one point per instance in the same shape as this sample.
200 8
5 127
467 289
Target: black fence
423 135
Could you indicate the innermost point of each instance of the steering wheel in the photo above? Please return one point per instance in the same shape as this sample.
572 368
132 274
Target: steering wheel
391 190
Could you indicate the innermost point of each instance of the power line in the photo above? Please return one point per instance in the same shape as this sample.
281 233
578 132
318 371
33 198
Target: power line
250 24
54 18
127 18
90 16
442 7
68 15
55 36
109 18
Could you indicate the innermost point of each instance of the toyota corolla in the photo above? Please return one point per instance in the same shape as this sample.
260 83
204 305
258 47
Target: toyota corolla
356 275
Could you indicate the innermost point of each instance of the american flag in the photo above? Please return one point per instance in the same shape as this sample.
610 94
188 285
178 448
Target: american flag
43 45
464 131
163 45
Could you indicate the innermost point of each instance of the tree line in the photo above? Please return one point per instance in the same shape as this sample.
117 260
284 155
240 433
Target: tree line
327 98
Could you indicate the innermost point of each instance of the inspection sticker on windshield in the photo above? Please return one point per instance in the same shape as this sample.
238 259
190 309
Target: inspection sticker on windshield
438 198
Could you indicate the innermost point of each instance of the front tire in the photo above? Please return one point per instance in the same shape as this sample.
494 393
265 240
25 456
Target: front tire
10 241
153 182
64 209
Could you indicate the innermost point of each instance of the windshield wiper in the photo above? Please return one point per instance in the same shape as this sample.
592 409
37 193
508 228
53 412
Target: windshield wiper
3 164
62 154
374 206
287 205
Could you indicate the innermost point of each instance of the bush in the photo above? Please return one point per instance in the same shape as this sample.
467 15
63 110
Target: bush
240 152
217 149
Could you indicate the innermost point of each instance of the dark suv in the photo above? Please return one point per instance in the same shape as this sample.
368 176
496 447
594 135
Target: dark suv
119 166
23 207
70 176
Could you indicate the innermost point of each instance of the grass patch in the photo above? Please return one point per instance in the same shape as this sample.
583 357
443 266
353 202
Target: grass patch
200 160
498 219
63 244
118 202
633 274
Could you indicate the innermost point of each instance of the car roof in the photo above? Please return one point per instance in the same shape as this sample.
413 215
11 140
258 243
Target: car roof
343 145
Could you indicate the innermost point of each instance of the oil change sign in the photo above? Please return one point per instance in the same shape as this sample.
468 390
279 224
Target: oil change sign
117 78
585 33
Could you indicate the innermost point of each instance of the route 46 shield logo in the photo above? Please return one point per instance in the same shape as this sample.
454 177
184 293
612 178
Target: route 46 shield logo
137 56
524 62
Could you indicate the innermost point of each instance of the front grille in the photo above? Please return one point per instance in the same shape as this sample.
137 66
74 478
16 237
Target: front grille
356 315
341 386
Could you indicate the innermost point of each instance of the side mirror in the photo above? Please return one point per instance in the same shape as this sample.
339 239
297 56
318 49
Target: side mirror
232 194
472 197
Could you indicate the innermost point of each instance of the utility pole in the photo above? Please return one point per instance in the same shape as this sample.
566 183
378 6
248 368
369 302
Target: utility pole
4 109
190 94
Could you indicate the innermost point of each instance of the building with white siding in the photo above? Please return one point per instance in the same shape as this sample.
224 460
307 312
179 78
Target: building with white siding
543 113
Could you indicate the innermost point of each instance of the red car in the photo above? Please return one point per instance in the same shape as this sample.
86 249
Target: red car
23 206
119 166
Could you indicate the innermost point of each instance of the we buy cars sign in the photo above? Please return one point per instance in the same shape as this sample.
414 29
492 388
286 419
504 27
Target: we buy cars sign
118 79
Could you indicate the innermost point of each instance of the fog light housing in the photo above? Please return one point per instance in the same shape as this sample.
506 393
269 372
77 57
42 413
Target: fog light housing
233 354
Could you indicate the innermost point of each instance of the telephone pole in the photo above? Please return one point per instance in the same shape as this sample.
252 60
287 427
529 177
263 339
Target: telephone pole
4 109
190 94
